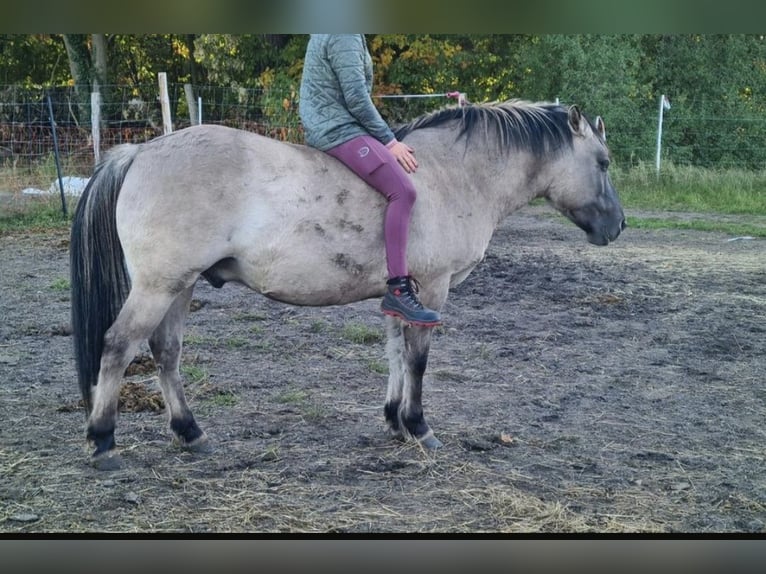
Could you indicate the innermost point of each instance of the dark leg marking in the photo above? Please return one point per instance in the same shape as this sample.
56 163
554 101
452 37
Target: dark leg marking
189 435
415 424
186 429
102 438
105 457
391 410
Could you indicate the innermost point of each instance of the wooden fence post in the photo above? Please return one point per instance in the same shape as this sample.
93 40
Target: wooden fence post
191 104
95 124
167 125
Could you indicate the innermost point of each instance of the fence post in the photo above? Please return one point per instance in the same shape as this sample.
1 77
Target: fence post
664 105
95 124
56 155
191 103
167 125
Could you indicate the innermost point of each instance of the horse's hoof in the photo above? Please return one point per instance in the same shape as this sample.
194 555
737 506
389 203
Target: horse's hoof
200 445
430 442
109 460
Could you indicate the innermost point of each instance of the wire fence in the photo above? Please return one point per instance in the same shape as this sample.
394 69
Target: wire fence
133 114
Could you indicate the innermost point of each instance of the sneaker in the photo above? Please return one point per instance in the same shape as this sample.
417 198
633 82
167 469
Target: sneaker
401 301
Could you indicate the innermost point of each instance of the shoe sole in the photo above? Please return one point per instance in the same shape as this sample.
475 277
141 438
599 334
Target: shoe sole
405 320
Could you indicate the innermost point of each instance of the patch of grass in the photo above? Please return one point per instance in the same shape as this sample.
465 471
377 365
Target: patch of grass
377 366
292 396
361 334
317 326
237 342
249 316
686 188
34 216
265 345
194 339
730 228
59 284
224 399
256 329
195 374
303 403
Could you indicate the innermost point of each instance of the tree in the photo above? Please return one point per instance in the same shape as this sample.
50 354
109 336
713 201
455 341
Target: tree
717 85
88 63
34 59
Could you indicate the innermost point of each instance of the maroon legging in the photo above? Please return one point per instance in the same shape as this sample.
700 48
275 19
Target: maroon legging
375 164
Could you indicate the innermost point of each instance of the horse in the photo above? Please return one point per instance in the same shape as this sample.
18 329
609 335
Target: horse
295 225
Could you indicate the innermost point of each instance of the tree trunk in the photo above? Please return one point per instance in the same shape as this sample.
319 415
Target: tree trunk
99 59
193 71
80 66
100 75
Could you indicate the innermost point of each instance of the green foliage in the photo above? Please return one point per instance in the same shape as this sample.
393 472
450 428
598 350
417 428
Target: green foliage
481 66
33 60
716 82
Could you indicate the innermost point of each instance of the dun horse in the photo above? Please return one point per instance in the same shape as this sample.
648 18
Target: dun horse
295 225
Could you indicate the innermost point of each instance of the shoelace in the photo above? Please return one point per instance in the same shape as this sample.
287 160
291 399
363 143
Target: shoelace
413 288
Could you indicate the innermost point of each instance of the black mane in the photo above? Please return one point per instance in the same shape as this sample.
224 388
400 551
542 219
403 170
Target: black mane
515 125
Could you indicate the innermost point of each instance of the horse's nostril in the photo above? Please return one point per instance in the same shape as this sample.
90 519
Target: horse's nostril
623 224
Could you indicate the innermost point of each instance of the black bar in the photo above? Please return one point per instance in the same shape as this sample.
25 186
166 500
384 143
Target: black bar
56 155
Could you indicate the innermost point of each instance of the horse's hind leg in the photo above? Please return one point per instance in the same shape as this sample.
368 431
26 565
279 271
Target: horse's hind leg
166 343
408 356
136 321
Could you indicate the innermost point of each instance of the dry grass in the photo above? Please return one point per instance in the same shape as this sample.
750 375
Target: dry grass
258 498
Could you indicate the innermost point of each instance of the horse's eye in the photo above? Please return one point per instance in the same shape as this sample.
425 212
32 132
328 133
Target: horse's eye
603 164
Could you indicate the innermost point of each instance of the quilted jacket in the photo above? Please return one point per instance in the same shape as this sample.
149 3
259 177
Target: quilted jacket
335 97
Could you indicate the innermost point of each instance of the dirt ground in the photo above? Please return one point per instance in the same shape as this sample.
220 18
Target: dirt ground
576 389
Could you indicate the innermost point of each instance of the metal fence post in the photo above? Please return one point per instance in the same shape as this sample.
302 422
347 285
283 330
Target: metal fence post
56 154
664 105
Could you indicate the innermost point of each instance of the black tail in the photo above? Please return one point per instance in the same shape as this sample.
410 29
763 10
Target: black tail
98 277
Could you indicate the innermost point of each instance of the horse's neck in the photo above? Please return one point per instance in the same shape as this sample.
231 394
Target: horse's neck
498 181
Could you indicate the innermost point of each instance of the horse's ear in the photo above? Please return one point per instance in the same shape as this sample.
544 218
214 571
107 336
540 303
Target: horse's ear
601 127
575 119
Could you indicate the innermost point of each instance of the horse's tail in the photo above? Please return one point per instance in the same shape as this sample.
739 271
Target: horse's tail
98 276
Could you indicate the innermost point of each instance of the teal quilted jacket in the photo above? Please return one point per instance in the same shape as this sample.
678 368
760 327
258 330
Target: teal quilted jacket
335 104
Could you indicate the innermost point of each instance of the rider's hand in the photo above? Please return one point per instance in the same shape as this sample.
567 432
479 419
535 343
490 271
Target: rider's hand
404 155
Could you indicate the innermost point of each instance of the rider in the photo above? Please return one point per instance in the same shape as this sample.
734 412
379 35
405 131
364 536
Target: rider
339 118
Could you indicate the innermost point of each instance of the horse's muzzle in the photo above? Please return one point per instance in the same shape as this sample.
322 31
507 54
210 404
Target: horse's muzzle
605 234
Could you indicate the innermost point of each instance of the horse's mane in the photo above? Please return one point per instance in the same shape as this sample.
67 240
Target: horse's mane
540 128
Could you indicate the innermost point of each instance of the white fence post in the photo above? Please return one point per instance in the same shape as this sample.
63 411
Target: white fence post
167 125
664 105
95 124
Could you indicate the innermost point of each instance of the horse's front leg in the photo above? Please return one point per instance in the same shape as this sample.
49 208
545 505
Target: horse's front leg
395 353
408 356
